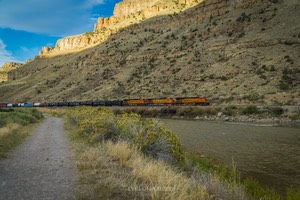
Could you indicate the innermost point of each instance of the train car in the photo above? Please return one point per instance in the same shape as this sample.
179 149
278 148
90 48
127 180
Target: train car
11 105
2 105
44 104
62 104
52 104
135 102
86 103
192 101
28 105
37 104
98 103
73 104
114 103
161 101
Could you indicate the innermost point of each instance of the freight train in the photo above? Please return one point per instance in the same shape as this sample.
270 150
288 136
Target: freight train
125 102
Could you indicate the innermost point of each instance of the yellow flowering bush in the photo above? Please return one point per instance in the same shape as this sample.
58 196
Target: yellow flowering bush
98 124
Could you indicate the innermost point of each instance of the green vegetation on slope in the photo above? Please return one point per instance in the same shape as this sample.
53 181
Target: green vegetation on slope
15 125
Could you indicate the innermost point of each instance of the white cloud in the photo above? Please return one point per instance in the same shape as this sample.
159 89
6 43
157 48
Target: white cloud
5 56
54 17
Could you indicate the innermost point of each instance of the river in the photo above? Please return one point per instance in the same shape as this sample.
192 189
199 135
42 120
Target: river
267 153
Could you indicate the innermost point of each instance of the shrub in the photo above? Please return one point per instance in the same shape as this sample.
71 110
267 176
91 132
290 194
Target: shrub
150 137
99 124
251 109
283 85
230 110
276 111
252 96
20 116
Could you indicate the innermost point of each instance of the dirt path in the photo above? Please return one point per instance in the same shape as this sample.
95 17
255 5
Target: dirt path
41 167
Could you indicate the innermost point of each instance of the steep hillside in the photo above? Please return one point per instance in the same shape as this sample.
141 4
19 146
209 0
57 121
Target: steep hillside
232 51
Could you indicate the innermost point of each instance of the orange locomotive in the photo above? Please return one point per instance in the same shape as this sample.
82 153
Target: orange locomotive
193 100
166 101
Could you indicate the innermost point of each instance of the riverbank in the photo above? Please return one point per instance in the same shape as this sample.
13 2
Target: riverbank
279 116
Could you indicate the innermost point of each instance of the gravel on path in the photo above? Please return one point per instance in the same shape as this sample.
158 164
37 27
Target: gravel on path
41 167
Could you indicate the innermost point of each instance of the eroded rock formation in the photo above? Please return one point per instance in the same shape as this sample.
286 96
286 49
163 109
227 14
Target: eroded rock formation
6 68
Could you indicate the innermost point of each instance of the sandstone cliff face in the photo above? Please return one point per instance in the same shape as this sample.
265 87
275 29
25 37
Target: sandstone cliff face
126 13
136 10
127 7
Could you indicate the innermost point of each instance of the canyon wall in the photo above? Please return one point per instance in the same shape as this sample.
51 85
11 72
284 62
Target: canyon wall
129 12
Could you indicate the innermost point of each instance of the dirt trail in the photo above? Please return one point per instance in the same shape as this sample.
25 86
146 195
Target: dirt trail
41 167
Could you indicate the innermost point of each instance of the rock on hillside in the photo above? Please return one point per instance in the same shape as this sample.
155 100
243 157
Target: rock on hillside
7 67
231 51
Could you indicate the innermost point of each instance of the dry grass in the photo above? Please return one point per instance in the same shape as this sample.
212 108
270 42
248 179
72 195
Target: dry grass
56 112
162 181
12 135
119 171
8 129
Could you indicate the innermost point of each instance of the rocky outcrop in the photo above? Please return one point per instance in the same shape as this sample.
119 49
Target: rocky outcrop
6 68
81 41
45 50
128 7
136 9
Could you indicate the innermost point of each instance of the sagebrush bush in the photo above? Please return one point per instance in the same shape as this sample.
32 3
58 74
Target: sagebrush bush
251 109
150 137
98 124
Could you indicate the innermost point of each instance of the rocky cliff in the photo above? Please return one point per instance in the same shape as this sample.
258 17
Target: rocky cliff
126 13
132 11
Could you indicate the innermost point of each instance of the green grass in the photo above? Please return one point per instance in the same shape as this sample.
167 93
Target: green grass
19 116
15 126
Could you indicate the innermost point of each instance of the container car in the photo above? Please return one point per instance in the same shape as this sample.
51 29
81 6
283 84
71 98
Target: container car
2 105
99 103
37 104
114 103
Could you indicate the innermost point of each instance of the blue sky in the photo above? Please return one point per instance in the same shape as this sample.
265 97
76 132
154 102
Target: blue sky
27 25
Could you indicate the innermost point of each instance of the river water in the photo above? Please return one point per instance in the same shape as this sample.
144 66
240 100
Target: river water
269 154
